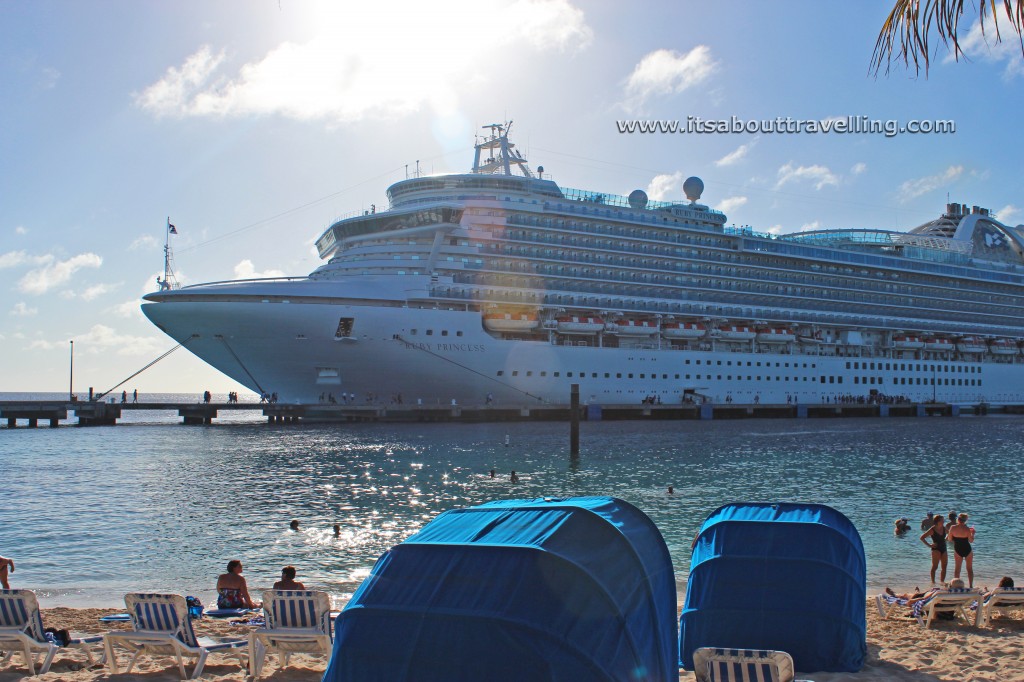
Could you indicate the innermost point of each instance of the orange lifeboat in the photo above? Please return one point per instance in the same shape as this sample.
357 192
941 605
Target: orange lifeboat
735 333
1002 347
939 343
511 322
775 335
683 330
970 344
907 342
631 327
579 325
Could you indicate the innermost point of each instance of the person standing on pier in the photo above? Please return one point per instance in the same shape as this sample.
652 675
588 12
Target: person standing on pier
135 395
4 565
124 397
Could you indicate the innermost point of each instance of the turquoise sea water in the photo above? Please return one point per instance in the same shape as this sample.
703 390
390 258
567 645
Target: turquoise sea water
91 513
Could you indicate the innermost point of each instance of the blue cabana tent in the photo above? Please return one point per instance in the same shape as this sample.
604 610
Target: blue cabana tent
790 577
549 589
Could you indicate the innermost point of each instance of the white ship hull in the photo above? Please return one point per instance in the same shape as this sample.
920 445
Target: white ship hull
292 349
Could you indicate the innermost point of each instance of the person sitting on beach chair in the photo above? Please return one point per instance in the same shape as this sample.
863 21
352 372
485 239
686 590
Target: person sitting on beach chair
287 581
232 592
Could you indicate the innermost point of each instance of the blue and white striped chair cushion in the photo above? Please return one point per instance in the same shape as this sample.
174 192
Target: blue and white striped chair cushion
19 609
162 613
743 665
297 609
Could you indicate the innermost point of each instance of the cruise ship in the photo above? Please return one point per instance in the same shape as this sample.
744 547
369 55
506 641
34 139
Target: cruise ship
500 286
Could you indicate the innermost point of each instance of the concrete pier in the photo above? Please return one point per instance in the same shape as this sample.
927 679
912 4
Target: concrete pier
97 413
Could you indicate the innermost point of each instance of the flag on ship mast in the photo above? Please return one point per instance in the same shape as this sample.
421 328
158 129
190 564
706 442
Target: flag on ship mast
172 229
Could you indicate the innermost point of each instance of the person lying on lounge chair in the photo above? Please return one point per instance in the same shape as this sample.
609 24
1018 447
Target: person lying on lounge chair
914 597
1006 581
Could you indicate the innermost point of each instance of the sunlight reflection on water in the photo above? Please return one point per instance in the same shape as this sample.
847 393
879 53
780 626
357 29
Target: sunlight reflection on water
89 514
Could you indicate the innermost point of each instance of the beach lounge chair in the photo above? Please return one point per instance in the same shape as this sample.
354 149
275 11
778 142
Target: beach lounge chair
297 621
742 665
955 601
21 631
887 604
1002 599
161 627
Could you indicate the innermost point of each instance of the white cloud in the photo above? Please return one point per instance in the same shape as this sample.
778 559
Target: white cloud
55 272
104 339
21 229
806 227
548 23
982 46
97 290
146 241
911 189
347 72
729 203
737 154
662 185
859 168
1008 214
774 229
128 309
13 259
48 78
246 270
22 310
821 176
667 72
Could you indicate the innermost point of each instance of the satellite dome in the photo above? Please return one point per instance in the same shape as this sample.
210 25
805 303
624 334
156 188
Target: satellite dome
692 188
638 198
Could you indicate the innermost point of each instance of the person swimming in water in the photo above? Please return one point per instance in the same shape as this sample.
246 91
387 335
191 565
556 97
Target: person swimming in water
937 536
961 536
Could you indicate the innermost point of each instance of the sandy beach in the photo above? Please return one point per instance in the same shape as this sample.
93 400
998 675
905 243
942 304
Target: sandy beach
898 649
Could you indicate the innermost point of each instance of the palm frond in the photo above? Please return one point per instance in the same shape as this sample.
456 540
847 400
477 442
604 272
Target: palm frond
906 33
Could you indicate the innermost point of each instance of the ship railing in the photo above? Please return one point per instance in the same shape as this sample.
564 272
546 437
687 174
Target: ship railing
226 282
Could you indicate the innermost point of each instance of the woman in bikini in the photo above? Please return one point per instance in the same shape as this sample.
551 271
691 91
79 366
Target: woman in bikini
961 536
935 537
232 592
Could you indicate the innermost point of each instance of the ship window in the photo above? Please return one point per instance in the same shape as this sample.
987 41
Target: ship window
664 376
687 376
629 376
501 372
458 333
515 372
558 374
344 327
607 375
593 375
444 332
856 365
413 331
529 374
618 375
430 332
856 380
568 374
643 376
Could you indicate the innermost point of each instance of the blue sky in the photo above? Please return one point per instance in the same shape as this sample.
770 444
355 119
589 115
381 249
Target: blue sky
254 124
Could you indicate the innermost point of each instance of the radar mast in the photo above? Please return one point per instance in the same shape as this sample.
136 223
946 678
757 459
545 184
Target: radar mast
499 154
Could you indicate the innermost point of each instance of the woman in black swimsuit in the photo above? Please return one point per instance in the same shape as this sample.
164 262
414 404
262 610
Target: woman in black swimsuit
937 536
961 536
